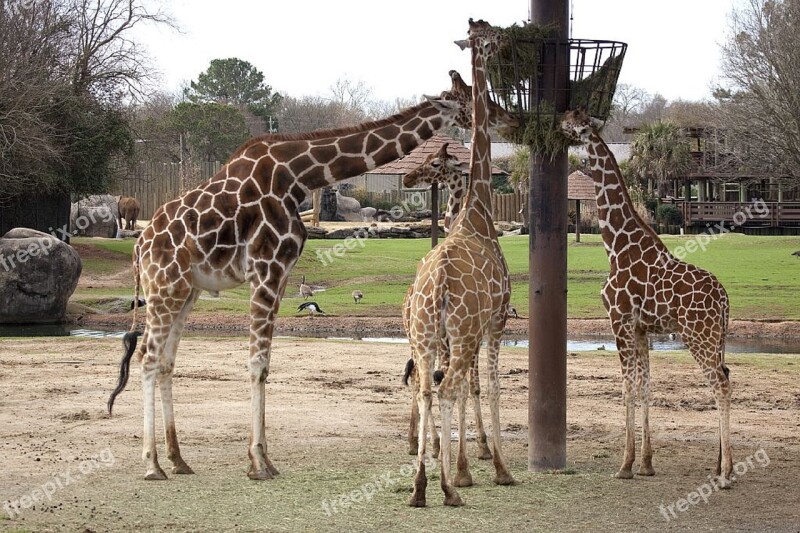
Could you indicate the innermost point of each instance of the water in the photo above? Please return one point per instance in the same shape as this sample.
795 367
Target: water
576 343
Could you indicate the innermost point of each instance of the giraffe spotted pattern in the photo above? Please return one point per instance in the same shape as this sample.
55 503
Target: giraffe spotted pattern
650 291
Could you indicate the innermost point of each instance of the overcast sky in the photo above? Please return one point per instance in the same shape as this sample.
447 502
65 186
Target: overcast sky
405 48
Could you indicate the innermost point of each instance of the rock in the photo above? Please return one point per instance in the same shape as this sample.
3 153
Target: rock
349 209
38 274
95 216
129 233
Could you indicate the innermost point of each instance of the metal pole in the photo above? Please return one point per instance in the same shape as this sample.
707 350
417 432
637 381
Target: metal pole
547 324
434 214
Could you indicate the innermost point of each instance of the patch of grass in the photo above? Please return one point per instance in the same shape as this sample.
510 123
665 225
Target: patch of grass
760 274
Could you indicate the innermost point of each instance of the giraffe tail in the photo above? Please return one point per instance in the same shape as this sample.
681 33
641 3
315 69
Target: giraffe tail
130 338
129 342
408 371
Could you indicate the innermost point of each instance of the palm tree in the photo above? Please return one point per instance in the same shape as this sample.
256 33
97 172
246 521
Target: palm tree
659 151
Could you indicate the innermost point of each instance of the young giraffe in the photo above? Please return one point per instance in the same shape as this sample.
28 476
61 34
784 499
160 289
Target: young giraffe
650 291
243 226
460 296
440 167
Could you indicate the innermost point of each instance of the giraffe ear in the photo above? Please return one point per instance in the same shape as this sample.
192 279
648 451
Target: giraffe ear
463 44
597 124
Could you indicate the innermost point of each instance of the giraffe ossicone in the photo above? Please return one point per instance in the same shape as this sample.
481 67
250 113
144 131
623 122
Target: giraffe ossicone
242 226
460 296
649 291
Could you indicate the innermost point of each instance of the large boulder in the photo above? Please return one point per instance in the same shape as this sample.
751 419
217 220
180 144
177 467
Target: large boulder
348 208
95 216
38 274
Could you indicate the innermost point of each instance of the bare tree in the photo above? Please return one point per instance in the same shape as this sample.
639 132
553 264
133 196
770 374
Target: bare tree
106 61
761 104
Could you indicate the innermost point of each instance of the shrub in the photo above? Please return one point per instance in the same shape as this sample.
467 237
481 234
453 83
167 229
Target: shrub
669 215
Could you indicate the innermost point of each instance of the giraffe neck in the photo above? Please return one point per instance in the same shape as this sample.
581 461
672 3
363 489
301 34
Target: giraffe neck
316 159
615 210
477 210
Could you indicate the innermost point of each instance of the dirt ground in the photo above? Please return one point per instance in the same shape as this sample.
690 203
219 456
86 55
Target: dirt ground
337 416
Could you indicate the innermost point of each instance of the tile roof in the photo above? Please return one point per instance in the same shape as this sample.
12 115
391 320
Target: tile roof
580 186
417 156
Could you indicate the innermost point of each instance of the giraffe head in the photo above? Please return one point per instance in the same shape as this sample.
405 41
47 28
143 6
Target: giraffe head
499 118
440 168
578 125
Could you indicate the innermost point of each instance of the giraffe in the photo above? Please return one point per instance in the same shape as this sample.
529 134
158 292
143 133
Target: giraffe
437 169
441 167
650 291
460 296
242 226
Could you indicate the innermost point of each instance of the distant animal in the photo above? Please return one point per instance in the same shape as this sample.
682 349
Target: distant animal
797 253
312 308
141 303
305 290
128 208
357 295
512 311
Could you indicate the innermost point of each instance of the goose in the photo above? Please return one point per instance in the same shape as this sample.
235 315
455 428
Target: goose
357 295
313 308
305 290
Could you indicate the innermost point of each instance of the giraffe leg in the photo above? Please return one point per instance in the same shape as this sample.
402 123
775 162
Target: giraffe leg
413 437
179 466
446 397
463 477
709 354
643 386
263 308
475 392
627 357
424 402
502 475
157 338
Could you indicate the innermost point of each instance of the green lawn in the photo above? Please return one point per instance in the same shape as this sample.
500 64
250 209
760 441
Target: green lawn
760 274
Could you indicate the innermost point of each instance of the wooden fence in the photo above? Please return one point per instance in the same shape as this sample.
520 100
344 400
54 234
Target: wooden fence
155 184
508 207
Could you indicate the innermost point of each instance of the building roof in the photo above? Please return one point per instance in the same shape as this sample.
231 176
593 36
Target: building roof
417 156
580 186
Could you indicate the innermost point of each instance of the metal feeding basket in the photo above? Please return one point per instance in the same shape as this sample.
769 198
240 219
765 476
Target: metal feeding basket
537 78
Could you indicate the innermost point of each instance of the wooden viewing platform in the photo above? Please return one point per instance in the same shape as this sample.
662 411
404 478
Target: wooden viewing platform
751 214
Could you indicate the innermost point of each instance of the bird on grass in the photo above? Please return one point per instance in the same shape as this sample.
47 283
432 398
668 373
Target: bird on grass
357 295
305 290
797 253
512 312
313 308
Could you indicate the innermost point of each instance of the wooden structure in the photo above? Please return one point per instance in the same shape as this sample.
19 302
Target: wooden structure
580 187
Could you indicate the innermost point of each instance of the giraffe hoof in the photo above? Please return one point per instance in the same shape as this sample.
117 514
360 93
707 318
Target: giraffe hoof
624 474
504 479
452 499
417 500
723 483
463 480
485 454
182 468
646 471
260 475
272 470
155 475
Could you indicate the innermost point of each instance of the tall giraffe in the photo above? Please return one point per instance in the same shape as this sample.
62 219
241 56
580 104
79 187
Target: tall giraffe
243 226
441 167
650 291
460 296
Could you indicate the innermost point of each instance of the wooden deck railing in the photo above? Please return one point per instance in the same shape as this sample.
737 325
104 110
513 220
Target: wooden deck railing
759 213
